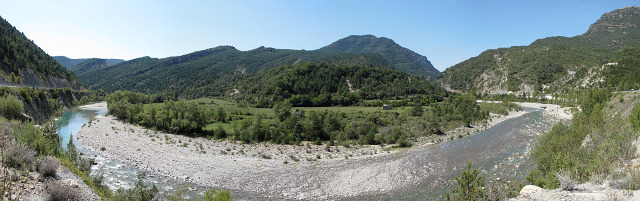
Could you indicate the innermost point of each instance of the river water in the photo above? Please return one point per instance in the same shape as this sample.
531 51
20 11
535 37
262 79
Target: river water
117 175
501 151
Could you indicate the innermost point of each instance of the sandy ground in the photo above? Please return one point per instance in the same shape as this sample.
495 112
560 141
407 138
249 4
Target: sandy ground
99 105
274 171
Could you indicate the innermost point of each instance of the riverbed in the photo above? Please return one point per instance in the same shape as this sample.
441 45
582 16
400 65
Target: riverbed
422 172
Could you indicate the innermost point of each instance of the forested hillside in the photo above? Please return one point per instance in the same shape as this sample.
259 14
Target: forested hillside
554 63
24 63
68 62
328 85
403 59
208 72
211 72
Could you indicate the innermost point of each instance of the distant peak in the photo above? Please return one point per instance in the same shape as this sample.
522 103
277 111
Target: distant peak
619 19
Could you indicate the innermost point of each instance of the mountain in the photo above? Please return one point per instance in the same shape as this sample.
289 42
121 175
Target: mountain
401 58
89 64
68 62
212 72
23 63
208 72
556 63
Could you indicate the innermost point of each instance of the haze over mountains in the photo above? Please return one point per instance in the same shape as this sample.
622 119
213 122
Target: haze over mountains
606 55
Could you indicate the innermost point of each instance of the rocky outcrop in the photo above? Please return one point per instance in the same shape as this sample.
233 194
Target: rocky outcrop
30 79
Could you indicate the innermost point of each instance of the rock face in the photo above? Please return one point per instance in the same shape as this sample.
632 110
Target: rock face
587 192
551 63
615 21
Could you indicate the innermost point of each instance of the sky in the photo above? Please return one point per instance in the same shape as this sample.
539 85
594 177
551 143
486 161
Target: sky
445 31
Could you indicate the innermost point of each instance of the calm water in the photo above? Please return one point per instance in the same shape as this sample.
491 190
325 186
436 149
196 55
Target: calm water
72 120
500 151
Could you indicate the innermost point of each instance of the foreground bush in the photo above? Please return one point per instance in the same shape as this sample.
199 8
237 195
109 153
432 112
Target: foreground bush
470 186
10 107
20 156
48 166
140 192
58 191
216 195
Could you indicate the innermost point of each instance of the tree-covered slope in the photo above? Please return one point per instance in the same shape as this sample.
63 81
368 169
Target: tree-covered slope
23 63
326 85
208 72
213 71
553 63
68 62
401 58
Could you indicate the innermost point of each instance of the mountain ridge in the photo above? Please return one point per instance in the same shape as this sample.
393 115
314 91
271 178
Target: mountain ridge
403 59
212 71
550 64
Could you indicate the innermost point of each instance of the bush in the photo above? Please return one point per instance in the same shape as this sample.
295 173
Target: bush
470 186
59 191
10 107
48 166
216 195
634 118
566 182
19 155
140 192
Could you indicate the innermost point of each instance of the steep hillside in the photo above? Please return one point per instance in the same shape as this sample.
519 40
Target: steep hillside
401 58
68 62
208 72
326 85
554 63
23 63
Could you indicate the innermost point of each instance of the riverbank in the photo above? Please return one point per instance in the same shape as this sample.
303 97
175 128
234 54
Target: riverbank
274 171
555 111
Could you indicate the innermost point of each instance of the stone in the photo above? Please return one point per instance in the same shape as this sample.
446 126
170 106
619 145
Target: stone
529 189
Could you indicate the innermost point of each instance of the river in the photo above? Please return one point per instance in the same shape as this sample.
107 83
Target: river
501 151
116 174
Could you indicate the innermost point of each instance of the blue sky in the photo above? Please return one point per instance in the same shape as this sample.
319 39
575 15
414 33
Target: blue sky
445 31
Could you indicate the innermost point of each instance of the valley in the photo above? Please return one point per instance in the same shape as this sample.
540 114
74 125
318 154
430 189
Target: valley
304 171
360 118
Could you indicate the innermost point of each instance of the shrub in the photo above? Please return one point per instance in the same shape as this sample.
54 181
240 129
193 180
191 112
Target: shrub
59 191
140 192
216 195
634 118
48 166
19 155
566 182
10 107
470 186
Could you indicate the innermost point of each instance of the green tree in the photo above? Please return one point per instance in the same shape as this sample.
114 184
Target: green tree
221 115
417 110
470 186
634 118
